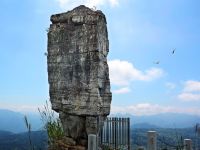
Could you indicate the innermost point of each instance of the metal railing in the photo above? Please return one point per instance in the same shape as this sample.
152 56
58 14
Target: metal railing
115 133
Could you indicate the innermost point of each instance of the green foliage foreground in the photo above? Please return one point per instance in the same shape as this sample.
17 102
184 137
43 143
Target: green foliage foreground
52 124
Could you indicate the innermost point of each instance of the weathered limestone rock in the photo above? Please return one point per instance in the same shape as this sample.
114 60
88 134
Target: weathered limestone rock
78 75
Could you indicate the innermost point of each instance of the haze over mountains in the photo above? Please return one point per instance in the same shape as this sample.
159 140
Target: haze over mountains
13 133
14 121
164 120
20 141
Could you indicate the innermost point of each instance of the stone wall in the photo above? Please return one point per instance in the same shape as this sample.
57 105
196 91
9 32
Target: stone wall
78 74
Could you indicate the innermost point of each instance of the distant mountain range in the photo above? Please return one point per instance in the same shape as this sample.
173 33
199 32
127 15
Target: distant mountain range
20 141
13 135
163 120
144 126
14 121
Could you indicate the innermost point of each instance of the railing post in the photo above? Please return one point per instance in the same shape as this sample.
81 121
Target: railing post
187 144
120 131
152 140
92 142
141 148
115 132
129 135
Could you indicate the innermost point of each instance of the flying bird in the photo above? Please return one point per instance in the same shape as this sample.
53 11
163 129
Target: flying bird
173 51
45 54
157 62
47 29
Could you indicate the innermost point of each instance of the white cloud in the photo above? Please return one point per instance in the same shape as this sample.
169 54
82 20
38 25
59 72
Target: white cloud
69 4
189 97
20 107
123 72
191 91
170 85
123 90
152 109
140 109
192 86
137 109
114 2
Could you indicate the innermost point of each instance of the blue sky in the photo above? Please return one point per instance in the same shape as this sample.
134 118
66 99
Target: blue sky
141 32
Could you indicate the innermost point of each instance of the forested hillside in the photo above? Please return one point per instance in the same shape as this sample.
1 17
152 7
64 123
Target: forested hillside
167 138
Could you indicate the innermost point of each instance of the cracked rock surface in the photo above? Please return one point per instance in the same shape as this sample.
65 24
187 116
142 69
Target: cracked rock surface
78 74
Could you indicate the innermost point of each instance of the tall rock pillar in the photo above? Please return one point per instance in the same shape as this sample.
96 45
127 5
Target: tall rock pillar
78 74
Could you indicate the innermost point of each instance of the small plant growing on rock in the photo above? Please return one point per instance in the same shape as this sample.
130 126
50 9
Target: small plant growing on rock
52 124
